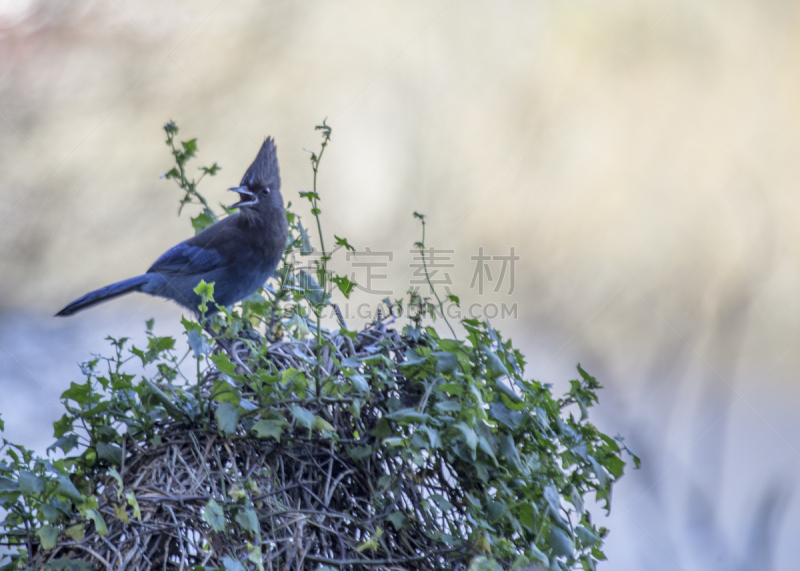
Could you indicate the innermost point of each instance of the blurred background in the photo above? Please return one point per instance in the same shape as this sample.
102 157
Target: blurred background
639 157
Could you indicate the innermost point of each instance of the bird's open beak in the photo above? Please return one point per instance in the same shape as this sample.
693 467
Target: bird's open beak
248 198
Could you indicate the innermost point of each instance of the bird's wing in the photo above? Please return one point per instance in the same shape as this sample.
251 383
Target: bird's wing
187 259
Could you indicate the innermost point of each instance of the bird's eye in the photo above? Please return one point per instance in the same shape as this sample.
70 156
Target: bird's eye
265 191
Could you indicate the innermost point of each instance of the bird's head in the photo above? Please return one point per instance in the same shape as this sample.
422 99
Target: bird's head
261 179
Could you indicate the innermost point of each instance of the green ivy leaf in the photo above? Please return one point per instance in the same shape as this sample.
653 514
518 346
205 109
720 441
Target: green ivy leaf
99 522
551 496
488 446
198 343
131 498
412 358
66 443
76 532
223 391
66 487
537 555
372 543
157 345
469 436
448 406
360 452
602 475
496 510
496 366
483 563
614 465
269 428
78 392
30 484
452 389
343 242
345 285
227 415
214 516
255 557
48 536
304 416
351 363
408 416
508 391
560 542
212 170
305 241
434 438
398 520
205 290
111 453
224 365
64 564
446 363
527 516
50 512
8 485
189 147
587 537
323 425
513 419
359 382
203 220
121 514
152 391
232 564
248 521
508 448
440 501
309 194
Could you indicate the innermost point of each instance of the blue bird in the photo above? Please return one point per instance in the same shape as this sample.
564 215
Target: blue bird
238 253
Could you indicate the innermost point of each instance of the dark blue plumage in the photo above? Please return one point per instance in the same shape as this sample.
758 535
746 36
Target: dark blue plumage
237 253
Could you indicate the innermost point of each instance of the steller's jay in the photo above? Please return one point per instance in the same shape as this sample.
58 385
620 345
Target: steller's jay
237 253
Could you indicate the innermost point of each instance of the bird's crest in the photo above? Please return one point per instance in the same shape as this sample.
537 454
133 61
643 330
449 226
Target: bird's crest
264 171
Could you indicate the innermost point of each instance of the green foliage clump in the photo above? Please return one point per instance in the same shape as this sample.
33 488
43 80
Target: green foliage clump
276 443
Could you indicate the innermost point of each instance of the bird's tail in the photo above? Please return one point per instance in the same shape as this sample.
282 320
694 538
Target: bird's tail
104 294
